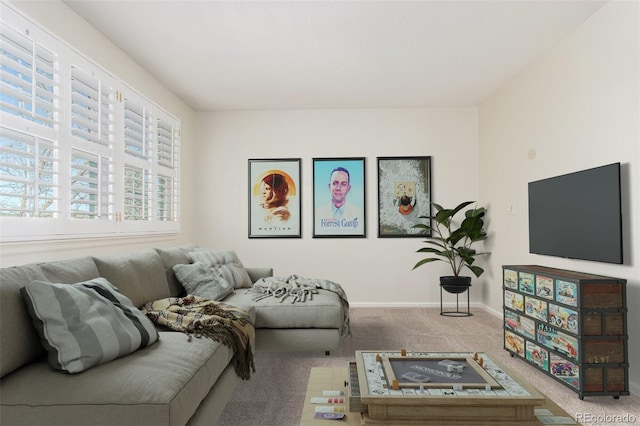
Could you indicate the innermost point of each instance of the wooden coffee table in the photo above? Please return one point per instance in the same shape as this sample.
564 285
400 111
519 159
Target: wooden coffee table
327 378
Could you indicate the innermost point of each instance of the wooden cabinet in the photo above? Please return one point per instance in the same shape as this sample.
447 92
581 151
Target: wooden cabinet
571 325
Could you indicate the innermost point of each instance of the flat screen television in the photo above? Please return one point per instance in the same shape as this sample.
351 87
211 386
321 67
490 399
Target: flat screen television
578 215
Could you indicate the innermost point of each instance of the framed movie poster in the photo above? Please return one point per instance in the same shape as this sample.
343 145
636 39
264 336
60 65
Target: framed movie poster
274 198
404 194
339 197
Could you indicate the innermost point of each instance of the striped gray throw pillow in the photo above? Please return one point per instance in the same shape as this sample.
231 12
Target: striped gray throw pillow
226 262
85 324
202 280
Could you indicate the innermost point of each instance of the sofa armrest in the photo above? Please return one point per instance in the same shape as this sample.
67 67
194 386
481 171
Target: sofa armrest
256 273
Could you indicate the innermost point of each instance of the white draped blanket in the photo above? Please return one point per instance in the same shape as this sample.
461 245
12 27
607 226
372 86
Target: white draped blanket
298 290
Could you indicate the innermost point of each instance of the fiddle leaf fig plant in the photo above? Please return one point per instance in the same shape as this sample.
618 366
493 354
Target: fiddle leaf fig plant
450 242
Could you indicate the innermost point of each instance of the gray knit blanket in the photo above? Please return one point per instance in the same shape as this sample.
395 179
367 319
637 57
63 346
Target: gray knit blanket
296 289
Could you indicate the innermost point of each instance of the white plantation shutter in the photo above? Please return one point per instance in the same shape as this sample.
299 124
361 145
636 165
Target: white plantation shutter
81 153
91 196
92 119
165 198
29 78
166 143
28 175
92 105
167 160
138 129
137 193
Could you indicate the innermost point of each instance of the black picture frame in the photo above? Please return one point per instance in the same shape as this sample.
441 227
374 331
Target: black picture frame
404 194
348 189
275 199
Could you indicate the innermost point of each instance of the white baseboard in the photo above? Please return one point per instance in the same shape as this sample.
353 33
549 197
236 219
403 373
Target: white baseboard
412 305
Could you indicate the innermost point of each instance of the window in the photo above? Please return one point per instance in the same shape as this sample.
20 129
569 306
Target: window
81 153
92 108
90 196
28 75
27 176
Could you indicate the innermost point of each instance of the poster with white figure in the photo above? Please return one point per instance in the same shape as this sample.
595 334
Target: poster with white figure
404 194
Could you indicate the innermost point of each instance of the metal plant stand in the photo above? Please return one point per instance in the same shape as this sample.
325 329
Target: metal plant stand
457 312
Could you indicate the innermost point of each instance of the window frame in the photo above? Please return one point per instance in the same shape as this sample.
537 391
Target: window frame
71 131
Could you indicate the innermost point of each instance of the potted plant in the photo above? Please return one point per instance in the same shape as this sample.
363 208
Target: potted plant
451 242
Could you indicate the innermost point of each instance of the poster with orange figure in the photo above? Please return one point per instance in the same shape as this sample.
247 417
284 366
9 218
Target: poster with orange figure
274 198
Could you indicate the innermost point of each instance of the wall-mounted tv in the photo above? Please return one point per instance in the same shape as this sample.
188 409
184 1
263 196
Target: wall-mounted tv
578 215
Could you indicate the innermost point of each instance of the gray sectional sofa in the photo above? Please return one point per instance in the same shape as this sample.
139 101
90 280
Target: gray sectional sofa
174 381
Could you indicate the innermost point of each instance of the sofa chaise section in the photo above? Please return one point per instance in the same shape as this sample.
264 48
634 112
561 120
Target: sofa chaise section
312 325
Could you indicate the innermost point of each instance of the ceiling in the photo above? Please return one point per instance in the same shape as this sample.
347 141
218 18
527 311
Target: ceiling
219 55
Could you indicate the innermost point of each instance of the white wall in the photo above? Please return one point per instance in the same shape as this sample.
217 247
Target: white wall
68 26
577 107
372 270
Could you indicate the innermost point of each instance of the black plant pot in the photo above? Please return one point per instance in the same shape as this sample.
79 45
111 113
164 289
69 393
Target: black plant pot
453 284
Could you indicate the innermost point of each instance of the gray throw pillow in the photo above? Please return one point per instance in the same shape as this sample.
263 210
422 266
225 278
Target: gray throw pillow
202 280
85 324
227 262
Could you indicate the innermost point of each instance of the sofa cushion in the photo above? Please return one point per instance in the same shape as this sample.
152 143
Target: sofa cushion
139 275
71 270
227 261
172 256
160 385
202 280
85 324
324 310
19 341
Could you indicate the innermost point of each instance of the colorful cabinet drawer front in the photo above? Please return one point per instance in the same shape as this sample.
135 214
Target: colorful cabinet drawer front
510 279
567 292
564 318
526 283
537 355
514 343
544 287
514 300
561 342
535 308
565 370
520 324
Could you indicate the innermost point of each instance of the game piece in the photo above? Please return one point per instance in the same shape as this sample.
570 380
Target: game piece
327 400
378 358
449 368
487 387
475 356
460 368
330 409
395 385
403 352
480 361
329 416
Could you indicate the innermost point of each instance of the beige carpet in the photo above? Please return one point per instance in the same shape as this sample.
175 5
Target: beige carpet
275 394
